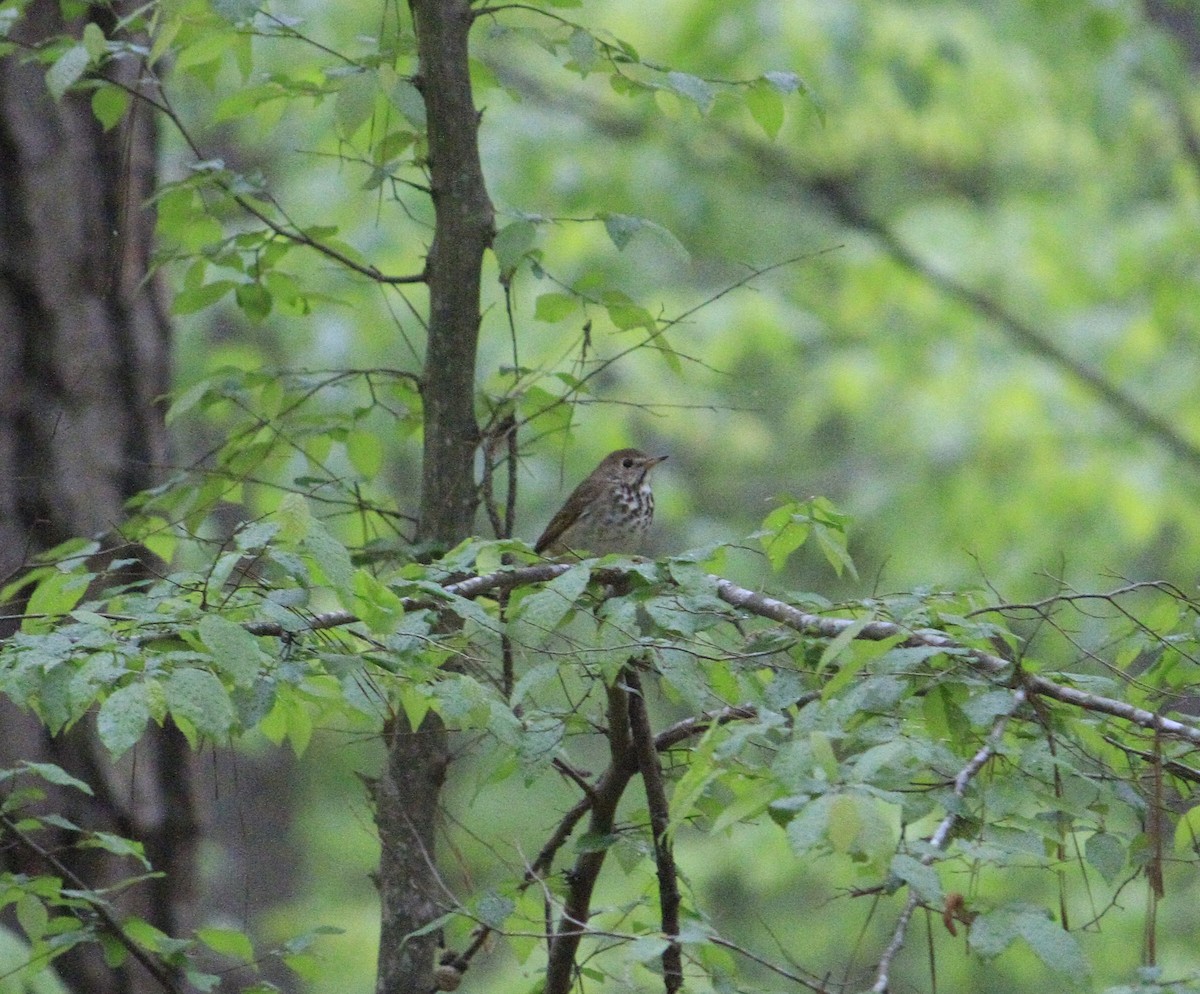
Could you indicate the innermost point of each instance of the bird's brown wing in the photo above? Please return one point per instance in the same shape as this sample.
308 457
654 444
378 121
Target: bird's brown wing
566 516
558 524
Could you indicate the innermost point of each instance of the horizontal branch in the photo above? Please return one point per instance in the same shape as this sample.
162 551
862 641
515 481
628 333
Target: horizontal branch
812 625
878 631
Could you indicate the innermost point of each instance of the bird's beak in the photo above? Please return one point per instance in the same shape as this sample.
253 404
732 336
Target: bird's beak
654 461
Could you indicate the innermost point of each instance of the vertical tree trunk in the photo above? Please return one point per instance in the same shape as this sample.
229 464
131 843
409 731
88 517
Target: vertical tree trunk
408 792
84 359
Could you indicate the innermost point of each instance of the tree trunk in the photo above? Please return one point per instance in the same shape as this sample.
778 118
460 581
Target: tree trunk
407 794
84 359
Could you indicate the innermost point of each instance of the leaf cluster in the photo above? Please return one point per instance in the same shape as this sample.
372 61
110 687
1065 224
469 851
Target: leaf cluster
856 730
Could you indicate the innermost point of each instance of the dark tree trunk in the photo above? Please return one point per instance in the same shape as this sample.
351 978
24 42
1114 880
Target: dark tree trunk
84 361
407 795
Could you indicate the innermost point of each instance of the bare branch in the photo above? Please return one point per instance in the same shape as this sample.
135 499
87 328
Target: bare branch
581 878
656 800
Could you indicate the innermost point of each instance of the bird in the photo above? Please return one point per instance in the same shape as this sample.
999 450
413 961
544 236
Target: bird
608 512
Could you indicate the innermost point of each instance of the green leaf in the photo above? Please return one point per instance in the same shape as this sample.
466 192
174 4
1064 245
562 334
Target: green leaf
766 107
646 949
992 933
1056 948
920 877
844 823
32 916
55 595
409 102
234 650
838 644
365 449
621 228
537 615
200 699
692 786
416 703
94 41
188 301
493 910
55 775
355 102
66 70
122 718
117 845
626 314
856 656
379 607
288 719
944 717
783 532
294 517
551 307
255 300
584 55
511 244
693 88
330 555
228 942
168 28
1106 853
807 829
832 542
823 756
109 104
208 47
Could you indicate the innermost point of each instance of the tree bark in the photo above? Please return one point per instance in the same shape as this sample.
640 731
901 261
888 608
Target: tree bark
463 231
84 359
407 793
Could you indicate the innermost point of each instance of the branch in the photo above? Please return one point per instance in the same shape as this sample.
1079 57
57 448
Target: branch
813 625
581 878
876 631
292 234
656 800
1029 338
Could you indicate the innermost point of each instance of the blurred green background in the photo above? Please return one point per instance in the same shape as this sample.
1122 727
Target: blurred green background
986 352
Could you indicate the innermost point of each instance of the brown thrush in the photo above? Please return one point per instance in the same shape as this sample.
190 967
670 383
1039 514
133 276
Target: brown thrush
607 512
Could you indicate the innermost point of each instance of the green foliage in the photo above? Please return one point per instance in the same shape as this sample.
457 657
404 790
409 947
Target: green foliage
845 743
57 911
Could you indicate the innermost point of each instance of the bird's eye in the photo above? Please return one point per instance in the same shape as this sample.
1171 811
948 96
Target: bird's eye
627 462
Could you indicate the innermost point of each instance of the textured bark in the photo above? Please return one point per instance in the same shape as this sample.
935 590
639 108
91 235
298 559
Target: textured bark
406 809
84 357
83 342
407 793
464 222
